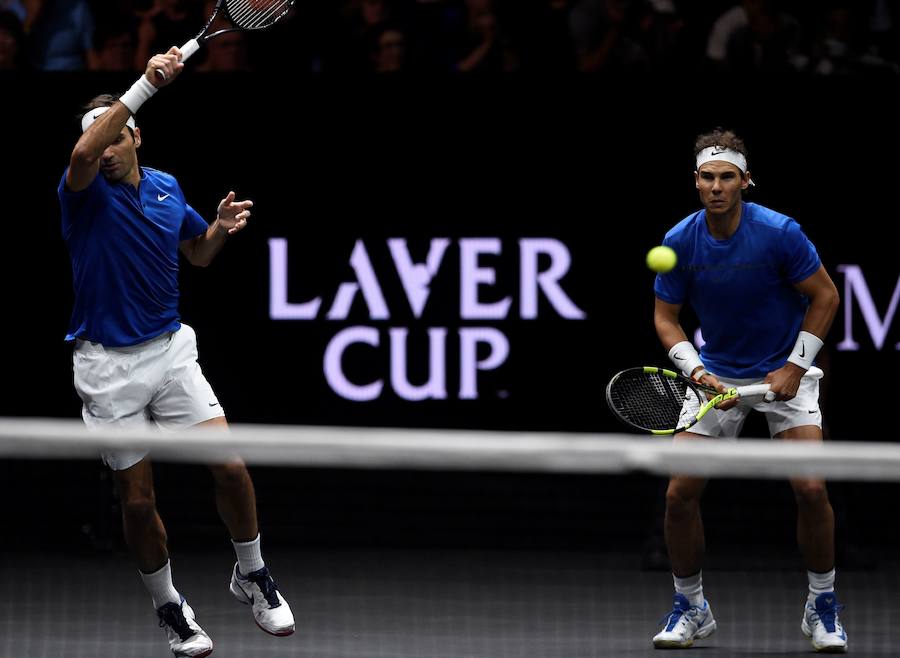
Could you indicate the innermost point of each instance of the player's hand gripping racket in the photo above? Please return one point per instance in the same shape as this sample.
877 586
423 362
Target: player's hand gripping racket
661 401
243 15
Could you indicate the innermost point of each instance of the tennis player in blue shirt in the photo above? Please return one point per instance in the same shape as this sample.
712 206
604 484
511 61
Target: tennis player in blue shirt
134 362
764 302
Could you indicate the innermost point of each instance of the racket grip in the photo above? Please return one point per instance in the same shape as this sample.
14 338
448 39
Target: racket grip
189 49
754 390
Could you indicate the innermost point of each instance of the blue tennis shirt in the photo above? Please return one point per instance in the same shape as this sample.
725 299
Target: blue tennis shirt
123 243
742 288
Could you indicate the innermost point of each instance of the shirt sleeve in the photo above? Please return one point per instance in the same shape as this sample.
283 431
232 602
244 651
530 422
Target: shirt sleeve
801 260
75 205
672 286
192 225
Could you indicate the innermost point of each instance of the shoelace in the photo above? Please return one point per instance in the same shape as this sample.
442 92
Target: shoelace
671 618
828 617
267 586
171 615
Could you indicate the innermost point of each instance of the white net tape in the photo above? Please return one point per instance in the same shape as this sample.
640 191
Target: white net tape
346 447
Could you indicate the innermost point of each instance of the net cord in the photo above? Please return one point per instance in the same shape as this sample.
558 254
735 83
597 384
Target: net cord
385 448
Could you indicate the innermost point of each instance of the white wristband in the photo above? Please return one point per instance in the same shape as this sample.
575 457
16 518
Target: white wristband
139 93
685 357
805 350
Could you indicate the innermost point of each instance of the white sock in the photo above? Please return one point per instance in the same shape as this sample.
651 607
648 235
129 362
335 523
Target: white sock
691 587
819 583
159 584
249 556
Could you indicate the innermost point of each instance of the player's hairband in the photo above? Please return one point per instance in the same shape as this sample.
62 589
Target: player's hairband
724 154
91 115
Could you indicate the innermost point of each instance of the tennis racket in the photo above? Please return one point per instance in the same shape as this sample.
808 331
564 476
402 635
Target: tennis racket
243 15
663 402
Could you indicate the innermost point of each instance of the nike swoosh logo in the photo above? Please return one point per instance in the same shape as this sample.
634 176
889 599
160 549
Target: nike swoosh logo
97 115
802 349
719 152
675 356
163 197
213 404
811 411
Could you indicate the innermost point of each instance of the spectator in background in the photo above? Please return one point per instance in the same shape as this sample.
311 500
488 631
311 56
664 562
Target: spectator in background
16 7
882 30
165 24
115 43
362 22
227 52
545 35
432 26
659 30
12 40
61 33
601 29
483 47
843 47
389 50
755 37
833 50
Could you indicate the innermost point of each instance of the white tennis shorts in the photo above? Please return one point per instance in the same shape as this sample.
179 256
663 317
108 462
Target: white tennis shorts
803 409
158 381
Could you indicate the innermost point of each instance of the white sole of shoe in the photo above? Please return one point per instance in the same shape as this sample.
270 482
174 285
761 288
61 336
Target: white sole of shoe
676 644
194 655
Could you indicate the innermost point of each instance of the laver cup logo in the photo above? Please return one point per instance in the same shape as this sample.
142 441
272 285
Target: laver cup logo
401 312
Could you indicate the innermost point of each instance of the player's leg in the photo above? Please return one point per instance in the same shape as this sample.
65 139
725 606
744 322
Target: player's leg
114 385
684 534
144 530
815 537
235 496
691 616
187 400
251 582
146 537
815 518
800 419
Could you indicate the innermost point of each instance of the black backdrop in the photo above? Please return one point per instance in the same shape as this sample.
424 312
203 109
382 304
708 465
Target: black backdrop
601 167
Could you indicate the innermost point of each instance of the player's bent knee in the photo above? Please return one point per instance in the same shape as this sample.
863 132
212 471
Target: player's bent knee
810 492
140 509
682 499
231 474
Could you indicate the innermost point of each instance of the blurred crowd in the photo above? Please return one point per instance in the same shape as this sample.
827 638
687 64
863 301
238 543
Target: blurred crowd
814 37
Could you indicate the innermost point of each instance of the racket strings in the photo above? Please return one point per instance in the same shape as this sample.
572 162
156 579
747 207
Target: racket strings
256 14
653 401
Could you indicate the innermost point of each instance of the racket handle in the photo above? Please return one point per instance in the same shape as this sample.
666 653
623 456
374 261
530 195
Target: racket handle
187 50
754 390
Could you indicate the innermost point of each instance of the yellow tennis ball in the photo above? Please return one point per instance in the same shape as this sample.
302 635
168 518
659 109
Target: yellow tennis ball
661 259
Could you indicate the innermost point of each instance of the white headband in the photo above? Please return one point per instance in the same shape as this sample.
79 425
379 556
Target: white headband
723 154
91 115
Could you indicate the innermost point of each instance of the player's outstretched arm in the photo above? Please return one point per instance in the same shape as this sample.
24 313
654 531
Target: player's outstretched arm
231 217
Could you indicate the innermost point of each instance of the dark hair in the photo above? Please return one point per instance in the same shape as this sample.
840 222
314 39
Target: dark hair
103 100
720 137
